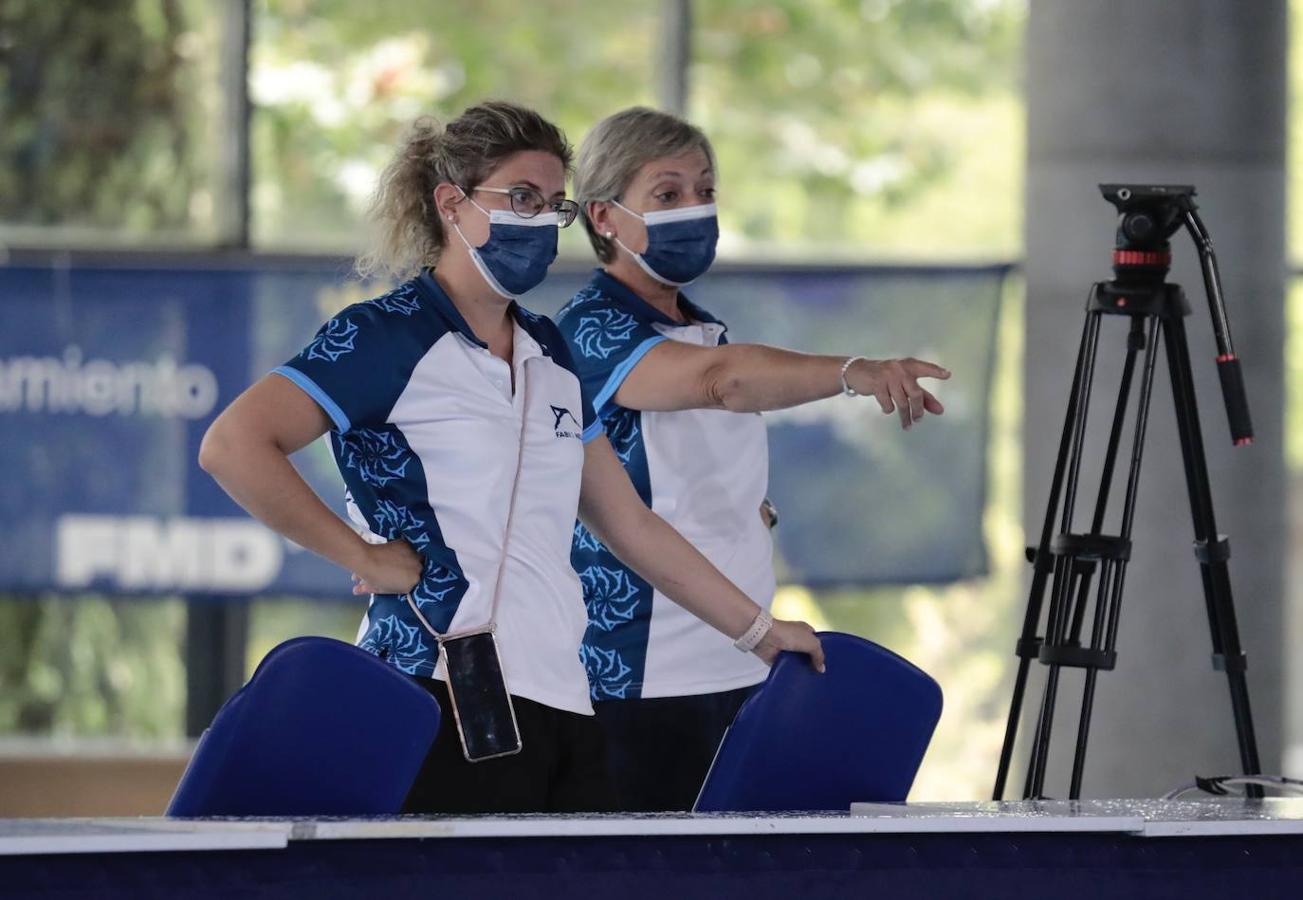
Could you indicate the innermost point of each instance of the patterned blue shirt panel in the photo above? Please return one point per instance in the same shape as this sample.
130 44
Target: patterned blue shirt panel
608 336
356 368
360 361
610 329
606 341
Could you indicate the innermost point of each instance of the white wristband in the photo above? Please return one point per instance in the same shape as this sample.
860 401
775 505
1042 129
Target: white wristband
751 639
847 390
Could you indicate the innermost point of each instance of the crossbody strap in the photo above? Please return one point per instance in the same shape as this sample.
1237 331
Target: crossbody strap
491 625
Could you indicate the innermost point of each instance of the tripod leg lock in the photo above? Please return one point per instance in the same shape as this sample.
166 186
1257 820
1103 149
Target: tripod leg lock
1028 648
1215 551
1230 662
1041 562
1078 657
1091 546
1044 562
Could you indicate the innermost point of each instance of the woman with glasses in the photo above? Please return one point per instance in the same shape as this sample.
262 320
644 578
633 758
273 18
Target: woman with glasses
466 444
679 405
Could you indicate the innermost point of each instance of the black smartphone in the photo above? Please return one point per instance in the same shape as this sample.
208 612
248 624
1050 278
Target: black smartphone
481 706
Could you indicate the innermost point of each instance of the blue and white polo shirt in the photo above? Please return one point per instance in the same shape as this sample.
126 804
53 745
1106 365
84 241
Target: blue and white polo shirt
704 471
426 434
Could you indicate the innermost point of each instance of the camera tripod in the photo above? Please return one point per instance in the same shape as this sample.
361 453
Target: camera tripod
1085 570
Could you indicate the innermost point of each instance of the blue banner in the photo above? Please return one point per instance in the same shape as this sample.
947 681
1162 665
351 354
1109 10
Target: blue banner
109 377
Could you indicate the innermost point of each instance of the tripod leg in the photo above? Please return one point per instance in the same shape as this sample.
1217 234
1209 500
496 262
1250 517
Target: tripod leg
1061 592
1088 696
1135 342
1035 782
1212 550
1109 599
1042 563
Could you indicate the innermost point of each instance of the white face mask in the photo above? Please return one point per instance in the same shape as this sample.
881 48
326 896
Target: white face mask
680 242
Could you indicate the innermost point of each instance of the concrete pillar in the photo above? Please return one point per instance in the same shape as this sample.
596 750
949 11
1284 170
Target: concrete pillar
1161 92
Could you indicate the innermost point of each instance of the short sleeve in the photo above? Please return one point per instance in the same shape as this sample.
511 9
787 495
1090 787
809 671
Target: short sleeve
592 424
606 343
353 367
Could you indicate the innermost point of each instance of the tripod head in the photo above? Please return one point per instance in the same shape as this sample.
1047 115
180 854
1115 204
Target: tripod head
1149 214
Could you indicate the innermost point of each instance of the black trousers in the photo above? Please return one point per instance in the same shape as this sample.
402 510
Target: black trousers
659 750
561 766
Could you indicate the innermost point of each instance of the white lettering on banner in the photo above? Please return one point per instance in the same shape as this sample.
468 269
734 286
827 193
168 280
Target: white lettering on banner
183 554
101 387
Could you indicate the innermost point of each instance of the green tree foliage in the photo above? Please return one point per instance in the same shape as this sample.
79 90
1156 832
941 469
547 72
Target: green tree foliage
105 107
864 129
843 128
335 83
79 666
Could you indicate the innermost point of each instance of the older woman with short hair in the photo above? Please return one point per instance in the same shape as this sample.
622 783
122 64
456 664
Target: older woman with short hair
679 404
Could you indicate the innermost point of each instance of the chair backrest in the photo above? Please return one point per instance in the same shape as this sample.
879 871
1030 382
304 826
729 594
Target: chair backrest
323 728
805 741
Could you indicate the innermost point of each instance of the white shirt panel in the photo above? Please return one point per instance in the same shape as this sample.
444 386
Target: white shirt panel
709 472
460 417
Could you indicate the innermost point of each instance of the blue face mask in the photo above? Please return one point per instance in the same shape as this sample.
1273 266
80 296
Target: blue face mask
517 254
680 243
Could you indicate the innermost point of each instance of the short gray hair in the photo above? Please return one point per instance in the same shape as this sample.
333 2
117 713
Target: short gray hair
620 145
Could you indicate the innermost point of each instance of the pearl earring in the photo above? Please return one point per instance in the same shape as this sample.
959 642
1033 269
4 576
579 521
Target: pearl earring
610 234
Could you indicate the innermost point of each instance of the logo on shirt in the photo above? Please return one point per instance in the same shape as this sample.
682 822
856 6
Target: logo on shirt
559 426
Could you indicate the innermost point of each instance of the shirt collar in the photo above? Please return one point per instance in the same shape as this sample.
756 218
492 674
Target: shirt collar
523 343
430 287
640 308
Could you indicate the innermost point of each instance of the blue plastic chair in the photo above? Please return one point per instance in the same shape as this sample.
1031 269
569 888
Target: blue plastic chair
323 728
811 742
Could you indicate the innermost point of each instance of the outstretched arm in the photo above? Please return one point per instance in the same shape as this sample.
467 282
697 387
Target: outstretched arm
754 377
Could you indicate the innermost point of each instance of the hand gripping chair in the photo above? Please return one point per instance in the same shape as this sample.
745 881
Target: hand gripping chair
811 742
323 728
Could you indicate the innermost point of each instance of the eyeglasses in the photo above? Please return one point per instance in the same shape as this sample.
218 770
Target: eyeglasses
528 203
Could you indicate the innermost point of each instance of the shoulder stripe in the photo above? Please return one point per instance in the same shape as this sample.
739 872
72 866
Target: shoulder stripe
314 391
621 372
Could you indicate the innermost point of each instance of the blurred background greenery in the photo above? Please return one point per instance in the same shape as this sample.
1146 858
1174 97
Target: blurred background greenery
843 128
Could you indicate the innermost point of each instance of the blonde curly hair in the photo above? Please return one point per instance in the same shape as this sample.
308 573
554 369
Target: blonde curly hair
464 152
